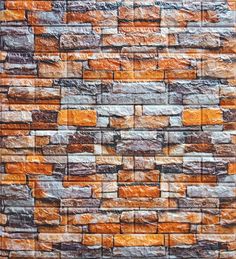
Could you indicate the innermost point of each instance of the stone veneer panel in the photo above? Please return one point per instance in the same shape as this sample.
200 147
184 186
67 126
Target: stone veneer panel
117 129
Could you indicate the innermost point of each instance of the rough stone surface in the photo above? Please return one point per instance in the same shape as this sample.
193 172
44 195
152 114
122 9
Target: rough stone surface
117 129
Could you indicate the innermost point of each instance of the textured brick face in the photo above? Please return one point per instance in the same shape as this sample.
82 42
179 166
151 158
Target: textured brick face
117 129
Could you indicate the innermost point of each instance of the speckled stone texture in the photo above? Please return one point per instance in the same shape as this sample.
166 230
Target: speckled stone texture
118 129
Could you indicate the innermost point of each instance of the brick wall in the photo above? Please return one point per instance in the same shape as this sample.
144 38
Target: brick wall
118 123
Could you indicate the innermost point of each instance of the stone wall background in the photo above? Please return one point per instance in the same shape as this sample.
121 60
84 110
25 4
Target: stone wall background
117 129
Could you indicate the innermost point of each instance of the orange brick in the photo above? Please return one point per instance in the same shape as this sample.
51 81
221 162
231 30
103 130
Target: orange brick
172 63
127 228
138 240
46 44
210 16
182 239
228 102
104 64
147 75
29 5
107 241
228 216
3 55
212 116
12 179
14 132
173 227
77 117
191 117
106 228
17 244
139 27
124 75
232 168
90 75
29 168
181 74
150 75
44 215
122 123
232 5
3 219
145 228
125 176
92 239
95 17
138 191
209 219
12 15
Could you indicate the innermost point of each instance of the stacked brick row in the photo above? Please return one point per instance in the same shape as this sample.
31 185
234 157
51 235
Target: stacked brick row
117 129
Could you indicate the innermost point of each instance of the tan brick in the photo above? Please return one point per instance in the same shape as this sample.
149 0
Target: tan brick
182 239
151 122
138 240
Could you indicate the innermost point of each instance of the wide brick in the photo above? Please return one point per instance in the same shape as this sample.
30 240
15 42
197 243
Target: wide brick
29 168
60 237
104 64
82 118
138 240
28 5
129 40
173 227
151 122
12 15
182 239
138 191
17 244
183 217
105 228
